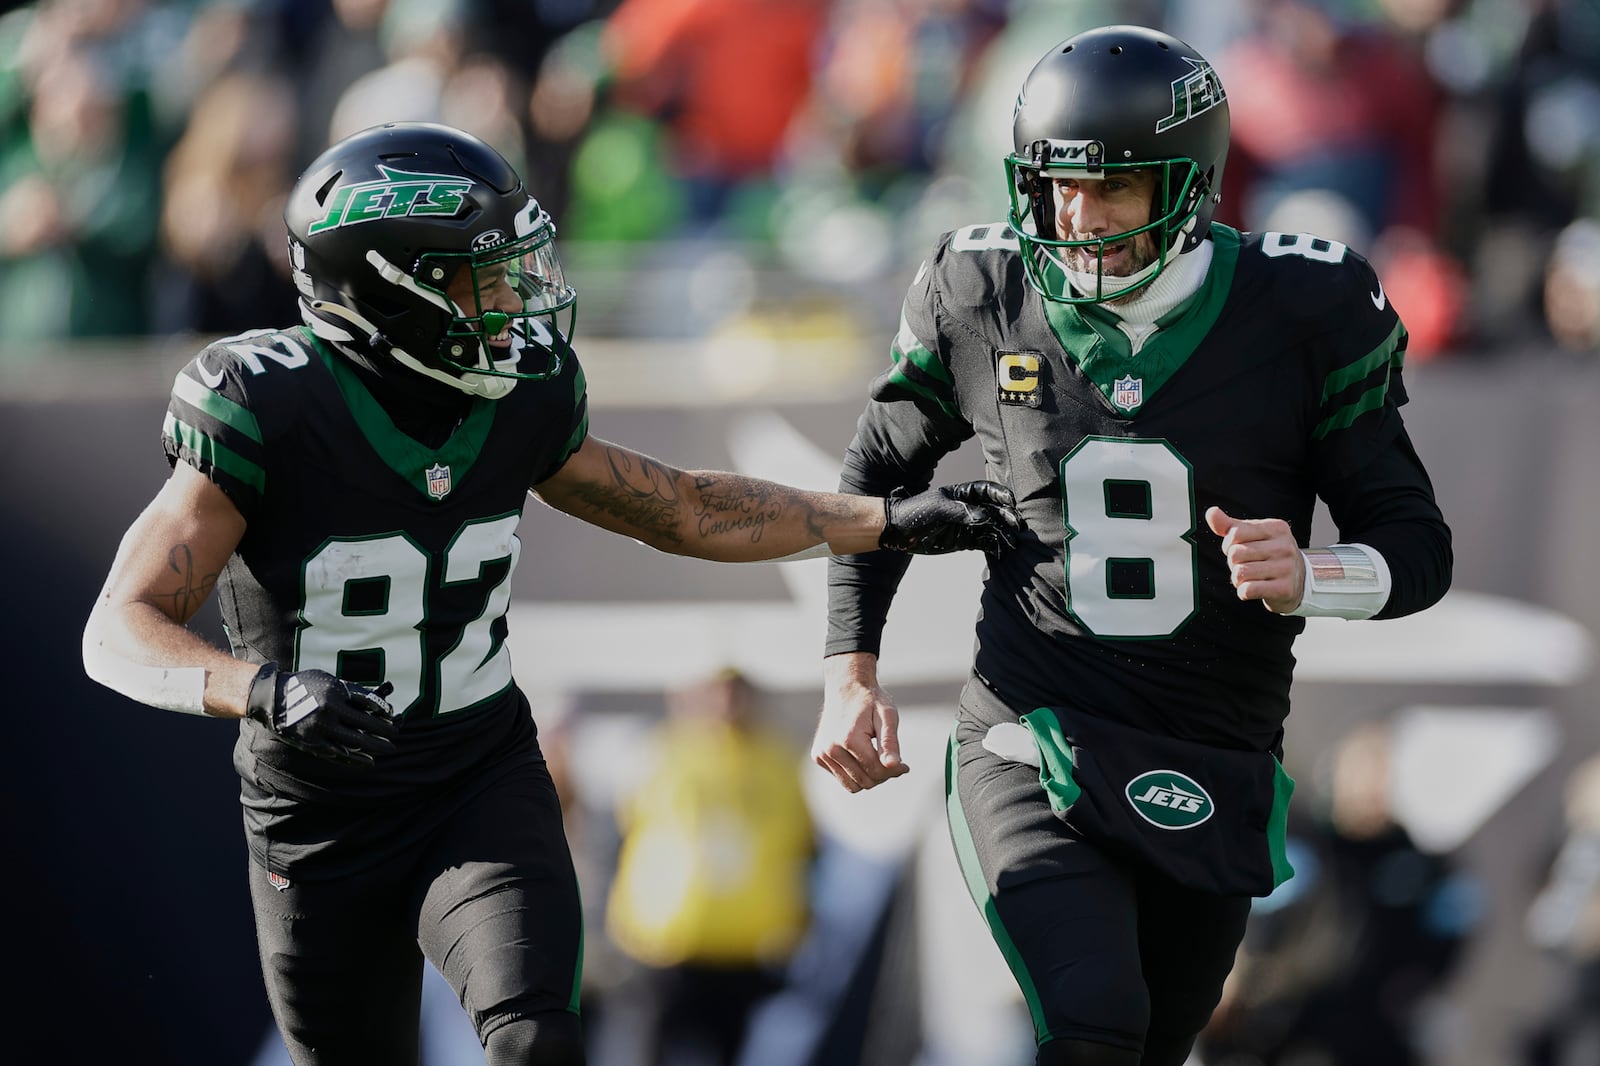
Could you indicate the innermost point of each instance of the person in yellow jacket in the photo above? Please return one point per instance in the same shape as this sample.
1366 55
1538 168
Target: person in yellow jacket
710 895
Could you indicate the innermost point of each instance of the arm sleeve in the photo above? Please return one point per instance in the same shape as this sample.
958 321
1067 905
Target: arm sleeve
1363 387
1389 505
912 421
571 412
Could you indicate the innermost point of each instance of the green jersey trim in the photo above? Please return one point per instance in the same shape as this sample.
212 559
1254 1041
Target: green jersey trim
1385 359
1055 759
919 372
1278 824
579 388
1103 353
217 406
405 456
215 454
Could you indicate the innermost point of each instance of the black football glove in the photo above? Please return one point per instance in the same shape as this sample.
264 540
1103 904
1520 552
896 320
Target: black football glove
323 715
978 515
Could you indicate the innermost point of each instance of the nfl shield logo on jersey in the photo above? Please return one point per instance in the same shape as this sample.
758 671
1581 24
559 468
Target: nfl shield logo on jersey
438 476
1127 393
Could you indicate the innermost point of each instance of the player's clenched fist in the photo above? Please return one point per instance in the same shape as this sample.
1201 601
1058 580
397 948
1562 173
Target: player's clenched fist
1264 560
324 715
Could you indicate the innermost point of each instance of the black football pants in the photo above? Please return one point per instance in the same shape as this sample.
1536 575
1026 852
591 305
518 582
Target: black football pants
1104 952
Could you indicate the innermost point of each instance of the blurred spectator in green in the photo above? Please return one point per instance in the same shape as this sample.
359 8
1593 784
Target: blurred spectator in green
863 153
78 203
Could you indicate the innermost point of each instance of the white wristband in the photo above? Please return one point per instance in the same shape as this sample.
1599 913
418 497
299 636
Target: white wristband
1343 581
181 688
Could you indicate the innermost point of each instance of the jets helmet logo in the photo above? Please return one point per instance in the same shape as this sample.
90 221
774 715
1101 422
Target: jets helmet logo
1193 94
397 194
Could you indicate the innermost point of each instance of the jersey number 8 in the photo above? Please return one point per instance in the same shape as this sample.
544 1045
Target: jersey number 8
1131 560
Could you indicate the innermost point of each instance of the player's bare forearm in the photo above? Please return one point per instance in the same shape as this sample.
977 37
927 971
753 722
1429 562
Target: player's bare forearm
165 569
850 667
709 514
142 634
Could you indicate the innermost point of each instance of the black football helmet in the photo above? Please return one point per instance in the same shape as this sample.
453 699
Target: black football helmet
1116 98
417 243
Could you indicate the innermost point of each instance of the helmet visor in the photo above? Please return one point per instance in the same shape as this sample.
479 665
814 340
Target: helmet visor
510 301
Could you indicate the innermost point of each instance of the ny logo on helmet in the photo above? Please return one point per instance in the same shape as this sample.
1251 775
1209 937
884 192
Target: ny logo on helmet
1193 94
397 194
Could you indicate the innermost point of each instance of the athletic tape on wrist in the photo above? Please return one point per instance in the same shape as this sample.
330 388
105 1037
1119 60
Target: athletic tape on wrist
1344 581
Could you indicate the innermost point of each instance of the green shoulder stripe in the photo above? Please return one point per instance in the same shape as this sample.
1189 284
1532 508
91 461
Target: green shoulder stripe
217 406
215 454
918 371
1388 352
1377 364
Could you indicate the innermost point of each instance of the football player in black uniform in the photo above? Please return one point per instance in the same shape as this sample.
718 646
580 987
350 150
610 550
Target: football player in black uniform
1167 398
350 489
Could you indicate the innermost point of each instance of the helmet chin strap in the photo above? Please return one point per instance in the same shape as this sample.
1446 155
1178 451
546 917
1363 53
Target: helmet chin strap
317 313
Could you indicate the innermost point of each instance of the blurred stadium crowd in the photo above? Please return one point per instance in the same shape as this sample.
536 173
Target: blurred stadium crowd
717 159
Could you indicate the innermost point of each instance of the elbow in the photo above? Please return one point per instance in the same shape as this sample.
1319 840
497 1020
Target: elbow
1423 564
101 661
93 648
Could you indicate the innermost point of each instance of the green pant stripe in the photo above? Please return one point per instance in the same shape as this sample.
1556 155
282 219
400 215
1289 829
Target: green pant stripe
1278 824
577 972
972 870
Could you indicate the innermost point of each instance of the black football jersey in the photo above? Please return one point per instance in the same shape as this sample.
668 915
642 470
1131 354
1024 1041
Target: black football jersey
1281 376
367 553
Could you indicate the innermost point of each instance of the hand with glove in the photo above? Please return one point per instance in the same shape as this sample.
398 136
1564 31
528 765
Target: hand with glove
324 715
978 515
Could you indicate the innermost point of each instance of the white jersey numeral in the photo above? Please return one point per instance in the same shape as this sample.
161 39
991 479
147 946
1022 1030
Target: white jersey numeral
1131 560
335 623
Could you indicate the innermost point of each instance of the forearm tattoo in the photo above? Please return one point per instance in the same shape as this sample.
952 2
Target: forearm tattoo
192 588
643 493
741 506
